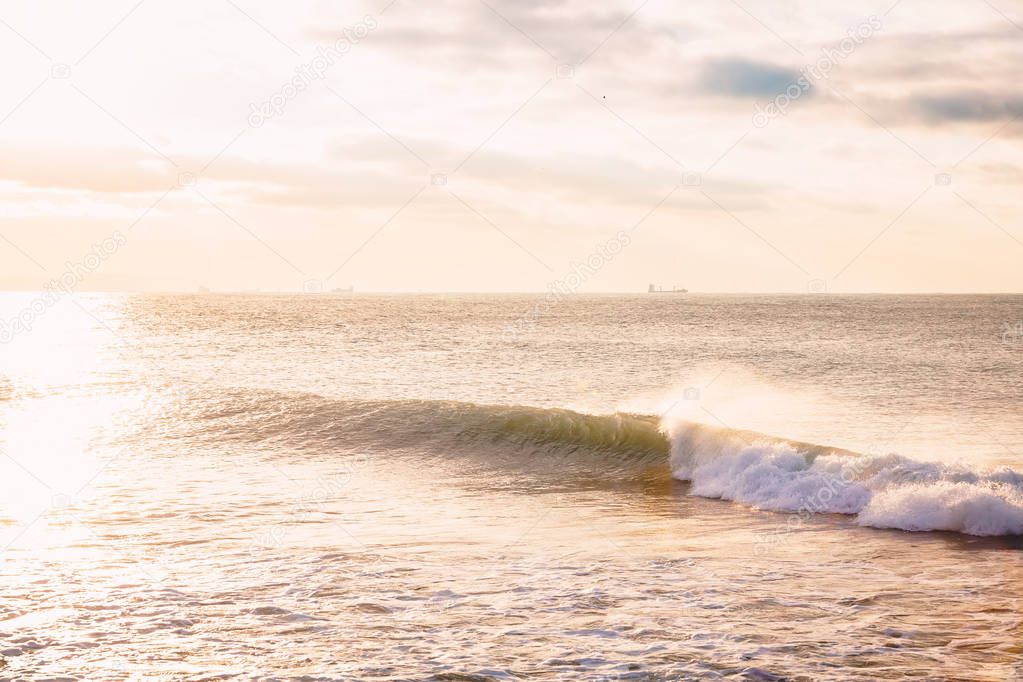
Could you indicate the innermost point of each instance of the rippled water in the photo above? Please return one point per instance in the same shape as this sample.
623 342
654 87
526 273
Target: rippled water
351 487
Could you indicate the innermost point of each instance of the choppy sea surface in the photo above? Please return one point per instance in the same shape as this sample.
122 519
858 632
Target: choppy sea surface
371 487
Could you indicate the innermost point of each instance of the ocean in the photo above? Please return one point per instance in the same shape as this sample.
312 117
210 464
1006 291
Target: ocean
506 487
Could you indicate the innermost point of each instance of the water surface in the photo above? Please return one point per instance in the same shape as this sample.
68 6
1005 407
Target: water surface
460 487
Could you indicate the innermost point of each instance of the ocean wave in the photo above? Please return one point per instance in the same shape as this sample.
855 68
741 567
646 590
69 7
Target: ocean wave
620 442
766 472
881 491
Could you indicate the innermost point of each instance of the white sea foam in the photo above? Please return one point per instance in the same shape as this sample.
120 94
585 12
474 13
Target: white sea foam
886 491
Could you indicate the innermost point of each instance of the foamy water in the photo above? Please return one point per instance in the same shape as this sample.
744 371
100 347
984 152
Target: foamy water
415 488
883 491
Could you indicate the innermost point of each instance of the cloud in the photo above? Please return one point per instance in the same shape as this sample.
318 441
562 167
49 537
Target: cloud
967 107
743 78
925 79
108 170
1002 173
552 175
494 32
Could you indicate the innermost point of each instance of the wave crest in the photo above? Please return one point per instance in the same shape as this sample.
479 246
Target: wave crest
888 491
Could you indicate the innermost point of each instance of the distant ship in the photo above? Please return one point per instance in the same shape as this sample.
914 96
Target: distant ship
661 290
344 290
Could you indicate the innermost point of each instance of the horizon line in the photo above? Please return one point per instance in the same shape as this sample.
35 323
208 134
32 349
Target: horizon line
286 292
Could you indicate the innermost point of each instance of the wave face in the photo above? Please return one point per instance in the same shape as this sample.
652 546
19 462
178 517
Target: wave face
619 443
750 468
886 491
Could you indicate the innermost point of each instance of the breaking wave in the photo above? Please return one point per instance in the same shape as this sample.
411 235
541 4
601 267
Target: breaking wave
881 491
770 473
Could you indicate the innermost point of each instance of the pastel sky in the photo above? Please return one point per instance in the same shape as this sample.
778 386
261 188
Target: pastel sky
496 145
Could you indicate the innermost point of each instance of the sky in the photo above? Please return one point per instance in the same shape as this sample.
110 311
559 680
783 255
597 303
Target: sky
519 146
